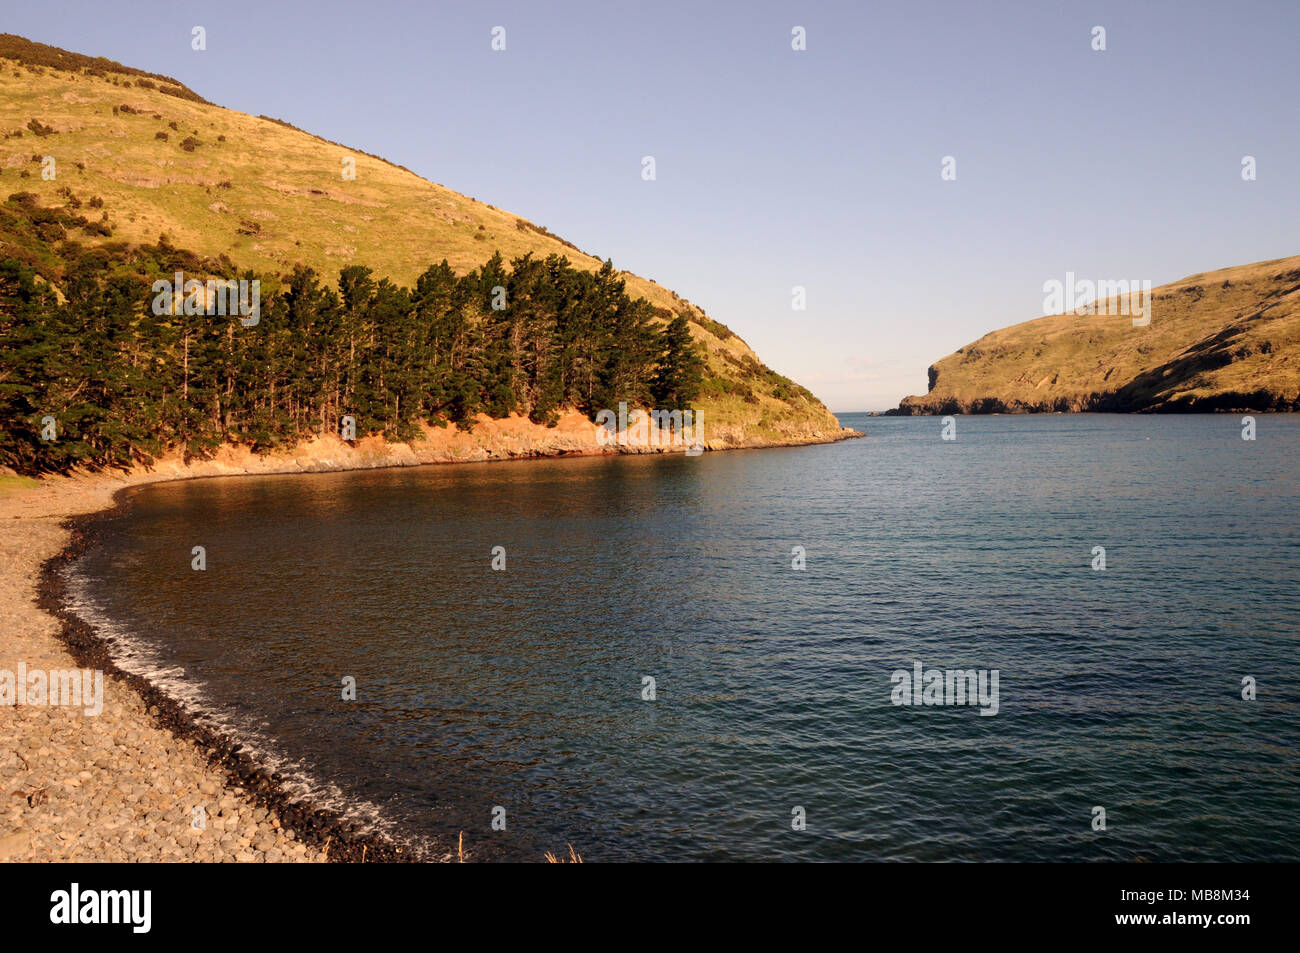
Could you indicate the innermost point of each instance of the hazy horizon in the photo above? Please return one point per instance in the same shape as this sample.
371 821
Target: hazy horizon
779 168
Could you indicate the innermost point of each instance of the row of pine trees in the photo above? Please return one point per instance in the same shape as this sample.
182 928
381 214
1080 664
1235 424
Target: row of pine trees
123 383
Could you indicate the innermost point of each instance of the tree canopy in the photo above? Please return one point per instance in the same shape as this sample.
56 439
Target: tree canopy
122 383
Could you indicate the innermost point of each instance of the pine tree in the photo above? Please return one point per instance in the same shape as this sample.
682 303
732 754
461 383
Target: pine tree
124 381
680 369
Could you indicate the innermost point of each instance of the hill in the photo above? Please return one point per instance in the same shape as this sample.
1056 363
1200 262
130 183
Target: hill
142 163
1226 340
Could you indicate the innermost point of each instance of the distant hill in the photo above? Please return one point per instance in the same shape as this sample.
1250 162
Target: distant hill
1225 340
144 158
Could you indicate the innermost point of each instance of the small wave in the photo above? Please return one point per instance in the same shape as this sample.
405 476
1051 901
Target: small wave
135 655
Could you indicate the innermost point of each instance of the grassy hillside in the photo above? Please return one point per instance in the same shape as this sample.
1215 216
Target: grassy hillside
141 156
1225 340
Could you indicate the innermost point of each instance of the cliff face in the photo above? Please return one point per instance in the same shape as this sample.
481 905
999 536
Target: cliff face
1225 340
141 156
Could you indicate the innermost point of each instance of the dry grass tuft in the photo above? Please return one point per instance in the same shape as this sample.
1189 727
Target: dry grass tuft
573 858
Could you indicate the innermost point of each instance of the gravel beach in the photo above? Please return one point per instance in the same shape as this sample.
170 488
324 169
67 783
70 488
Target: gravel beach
115 786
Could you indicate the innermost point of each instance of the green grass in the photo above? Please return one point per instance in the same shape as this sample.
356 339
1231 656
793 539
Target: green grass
10 483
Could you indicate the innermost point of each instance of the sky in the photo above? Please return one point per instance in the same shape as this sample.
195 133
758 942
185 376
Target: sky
778 168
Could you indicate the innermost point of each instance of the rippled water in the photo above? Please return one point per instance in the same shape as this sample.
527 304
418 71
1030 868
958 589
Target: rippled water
522 689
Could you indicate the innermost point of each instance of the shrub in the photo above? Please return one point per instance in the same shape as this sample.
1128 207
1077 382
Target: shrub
524 226
720 331
50 232
180 92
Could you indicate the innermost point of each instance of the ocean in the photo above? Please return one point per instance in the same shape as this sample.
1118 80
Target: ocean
703 658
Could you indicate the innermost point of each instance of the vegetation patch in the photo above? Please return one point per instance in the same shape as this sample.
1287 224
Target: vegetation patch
120 378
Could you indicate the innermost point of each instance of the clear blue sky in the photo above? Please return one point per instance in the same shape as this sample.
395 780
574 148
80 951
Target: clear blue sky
779 168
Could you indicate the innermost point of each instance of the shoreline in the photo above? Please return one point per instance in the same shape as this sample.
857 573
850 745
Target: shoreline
337 838
1224 405
123 785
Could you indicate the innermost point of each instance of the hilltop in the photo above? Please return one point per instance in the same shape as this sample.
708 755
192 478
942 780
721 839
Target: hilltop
1226 340
145 167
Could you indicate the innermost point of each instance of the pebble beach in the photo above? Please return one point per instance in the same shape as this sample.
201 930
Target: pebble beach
116 786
